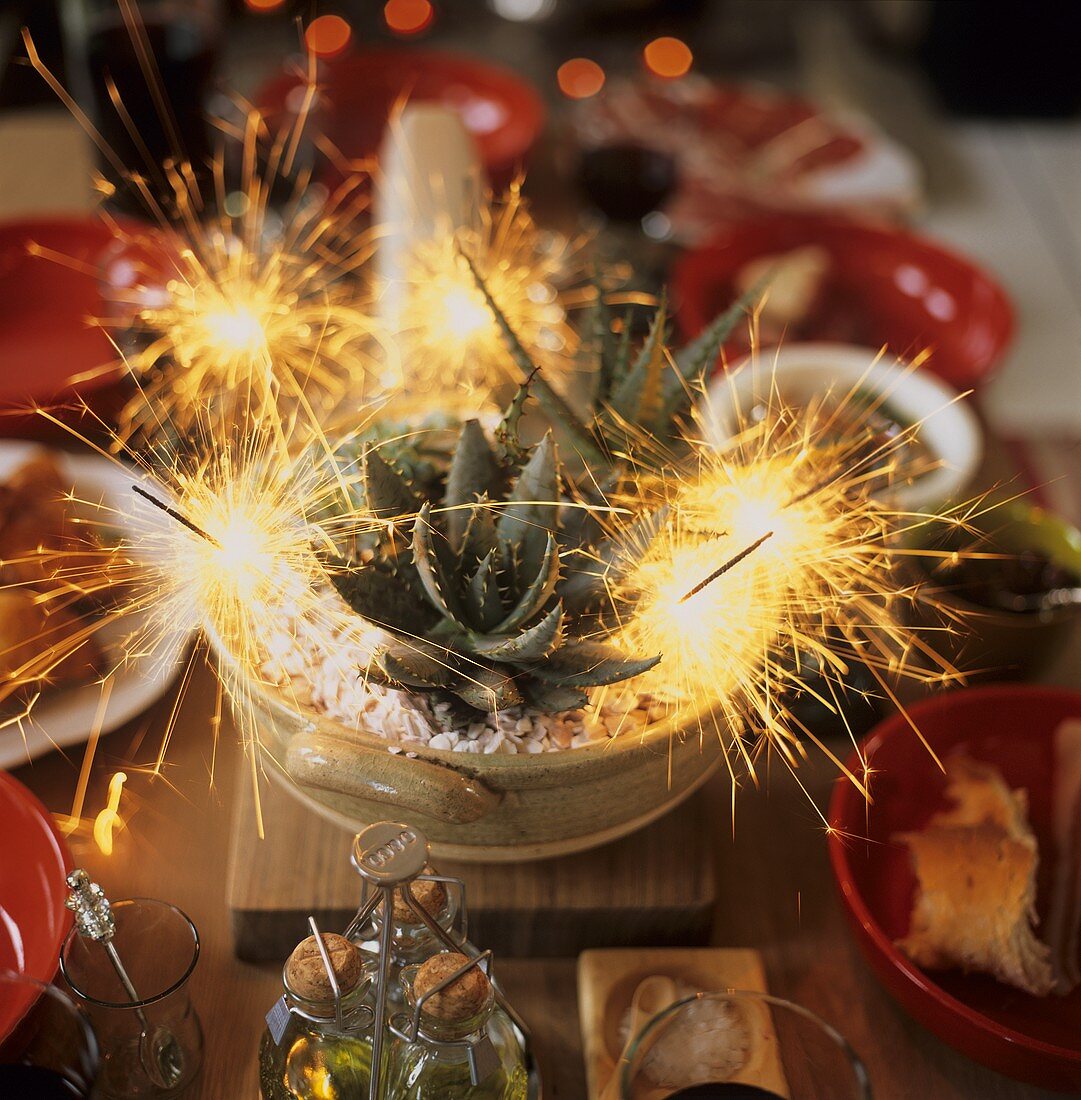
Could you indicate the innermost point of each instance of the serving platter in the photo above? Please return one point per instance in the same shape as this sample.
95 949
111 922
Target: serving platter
62 717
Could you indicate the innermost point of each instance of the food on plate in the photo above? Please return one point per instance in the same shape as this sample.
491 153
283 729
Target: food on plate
795 286
39 644
975 866
43 614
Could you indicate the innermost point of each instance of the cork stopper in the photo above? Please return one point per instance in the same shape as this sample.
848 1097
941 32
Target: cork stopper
431 896
462 999
306 976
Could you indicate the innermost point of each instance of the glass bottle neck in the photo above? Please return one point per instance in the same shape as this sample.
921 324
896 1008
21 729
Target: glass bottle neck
435 1031
321 1016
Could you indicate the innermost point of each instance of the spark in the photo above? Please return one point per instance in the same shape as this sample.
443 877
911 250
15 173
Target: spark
235 538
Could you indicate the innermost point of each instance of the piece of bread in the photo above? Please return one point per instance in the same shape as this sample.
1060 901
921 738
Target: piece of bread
975 866
795 282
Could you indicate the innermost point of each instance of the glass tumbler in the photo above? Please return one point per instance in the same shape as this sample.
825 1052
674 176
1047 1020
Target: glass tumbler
740 1046
47 1047
151 1046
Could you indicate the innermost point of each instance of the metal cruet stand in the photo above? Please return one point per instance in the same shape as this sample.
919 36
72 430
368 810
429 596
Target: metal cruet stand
390 856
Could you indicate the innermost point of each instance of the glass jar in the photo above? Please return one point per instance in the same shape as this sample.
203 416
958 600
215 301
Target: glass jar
438 1063
309 1049
412 941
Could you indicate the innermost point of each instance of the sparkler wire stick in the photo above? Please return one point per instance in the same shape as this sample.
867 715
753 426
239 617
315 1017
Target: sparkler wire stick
178 516
730 564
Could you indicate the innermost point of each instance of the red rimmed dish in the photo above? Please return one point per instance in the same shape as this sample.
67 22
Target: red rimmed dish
1033 1039
358 91
34 863
882 286
52 353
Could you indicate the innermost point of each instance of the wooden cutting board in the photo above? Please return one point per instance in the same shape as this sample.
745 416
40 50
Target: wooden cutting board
657 886
607 980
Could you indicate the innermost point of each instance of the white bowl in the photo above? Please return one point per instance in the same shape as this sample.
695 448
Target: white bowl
948 428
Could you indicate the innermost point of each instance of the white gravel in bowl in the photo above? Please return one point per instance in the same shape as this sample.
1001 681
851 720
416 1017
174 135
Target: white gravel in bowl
324 671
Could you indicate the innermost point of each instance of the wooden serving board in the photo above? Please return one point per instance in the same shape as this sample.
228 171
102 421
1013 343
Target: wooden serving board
657 886
607 980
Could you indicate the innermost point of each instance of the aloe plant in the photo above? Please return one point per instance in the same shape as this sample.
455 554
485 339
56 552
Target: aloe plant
483 604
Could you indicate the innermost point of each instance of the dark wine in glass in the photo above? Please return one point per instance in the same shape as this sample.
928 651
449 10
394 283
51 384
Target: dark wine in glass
626 182
143 134
36 1083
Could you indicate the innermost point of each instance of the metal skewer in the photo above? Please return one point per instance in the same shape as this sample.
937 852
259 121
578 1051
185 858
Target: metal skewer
159 1051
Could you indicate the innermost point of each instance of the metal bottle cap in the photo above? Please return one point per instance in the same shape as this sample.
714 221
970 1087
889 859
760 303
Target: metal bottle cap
389 853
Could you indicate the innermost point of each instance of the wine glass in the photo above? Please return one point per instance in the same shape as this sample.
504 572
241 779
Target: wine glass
47 1046
739 1045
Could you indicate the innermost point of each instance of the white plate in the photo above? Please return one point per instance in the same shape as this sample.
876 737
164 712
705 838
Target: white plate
949 428
67 716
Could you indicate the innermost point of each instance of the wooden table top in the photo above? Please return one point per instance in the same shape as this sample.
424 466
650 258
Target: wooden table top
776 895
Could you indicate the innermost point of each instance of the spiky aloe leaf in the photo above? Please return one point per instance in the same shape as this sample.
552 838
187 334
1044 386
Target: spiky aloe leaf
531 645
537 593
381 597
486 689
589 664
601 346
417 664
527 521
551 698
473 473
608 562
694 361
482 595
435 565
479 538
638 398
558 409
388 494
508 431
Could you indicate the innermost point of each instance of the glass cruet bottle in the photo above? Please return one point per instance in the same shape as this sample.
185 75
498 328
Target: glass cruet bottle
455 1042
318 1042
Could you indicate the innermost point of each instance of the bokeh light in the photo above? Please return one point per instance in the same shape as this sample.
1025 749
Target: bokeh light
580 78
668 57
408 16
264 5
328 35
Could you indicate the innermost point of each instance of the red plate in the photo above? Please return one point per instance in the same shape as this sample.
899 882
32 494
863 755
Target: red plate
51 352
34 862
1034 1039
885 286
358 91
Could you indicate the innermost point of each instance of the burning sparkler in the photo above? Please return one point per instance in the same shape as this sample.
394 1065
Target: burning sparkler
453 350
265 300
233 538
776 568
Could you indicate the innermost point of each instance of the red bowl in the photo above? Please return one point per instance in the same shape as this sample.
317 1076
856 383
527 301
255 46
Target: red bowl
51 352
1034 1039
886 286
358 91
34 862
